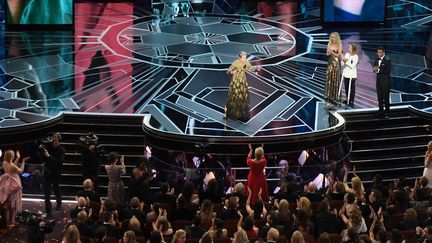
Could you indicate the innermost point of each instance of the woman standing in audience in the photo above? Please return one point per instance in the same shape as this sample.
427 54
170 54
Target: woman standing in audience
114 171
256 179
10 185
427 172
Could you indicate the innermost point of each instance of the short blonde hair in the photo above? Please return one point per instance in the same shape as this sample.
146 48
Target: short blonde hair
243 53
88 184
134 224
259 153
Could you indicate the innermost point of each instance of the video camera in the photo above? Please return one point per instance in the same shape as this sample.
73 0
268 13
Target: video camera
90 139
37 219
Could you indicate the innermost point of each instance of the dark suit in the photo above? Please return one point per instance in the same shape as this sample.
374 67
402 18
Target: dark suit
383 84
52 174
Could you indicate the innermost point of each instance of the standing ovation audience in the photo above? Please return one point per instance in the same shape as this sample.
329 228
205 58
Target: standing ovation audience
115 185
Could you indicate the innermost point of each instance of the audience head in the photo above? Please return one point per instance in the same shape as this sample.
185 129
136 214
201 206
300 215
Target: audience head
9 155
212 186
207 237
112 158
273 217
134 224
356 218
81 202
324 238
382 236
357 186
134 202
129 237
258 208
324 206
374 195
164 188
88 185
142 164
239 188
272 234
350 197
233 202
72 235
429 212
155 236
188 190
206 207
424 181
108 217
259 153
377 179
248 223
179 236
109 204
240 236
365 239
297 237
311 188
100 233
410 215
339 187
283 208
305 204
82 217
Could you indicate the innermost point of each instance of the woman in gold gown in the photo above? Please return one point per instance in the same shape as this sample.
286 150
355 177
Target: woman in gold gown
333 74
237 106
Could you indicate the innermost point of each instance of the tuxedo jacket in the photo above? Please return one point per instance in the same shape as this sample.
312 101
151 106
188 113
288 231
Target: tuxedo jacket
384 69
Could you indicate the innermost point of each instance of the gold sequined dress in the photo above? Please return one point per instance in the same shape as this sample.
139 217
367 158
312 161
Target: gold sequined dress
333 79
237 106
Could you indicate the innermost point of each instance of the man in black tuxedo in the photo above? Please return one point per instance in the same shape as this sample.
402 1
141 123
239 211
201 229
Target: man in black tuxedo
382 67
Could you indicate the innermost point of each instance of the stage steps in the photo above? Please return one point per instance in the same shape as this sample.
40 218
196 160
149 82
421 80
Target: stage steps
392 147
117 133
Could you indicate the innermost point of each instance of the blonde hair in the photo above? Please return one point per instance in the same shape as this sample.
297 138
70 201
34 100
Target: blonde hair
305 204
72 235
338 39
243 53
130 236
134 224
9 155
357 186
283 208
259 153
88 184
240 236
179 233
297 237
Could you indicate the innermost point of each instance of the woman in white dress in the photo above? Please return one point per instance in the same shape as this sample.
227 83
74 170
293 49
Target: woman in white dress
427 172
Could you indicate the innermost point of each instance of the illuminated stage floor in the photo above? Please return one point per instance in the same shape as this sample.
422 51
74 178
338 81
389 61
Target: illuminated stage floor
173 68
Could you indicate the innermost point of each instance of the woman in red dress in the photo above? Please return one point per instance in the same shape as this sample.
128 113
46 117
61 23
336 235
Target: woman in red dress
256 179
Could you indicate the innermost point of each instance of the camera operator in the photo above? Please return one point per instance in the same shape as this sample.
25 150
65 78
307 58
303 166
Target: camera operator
91 157
52 155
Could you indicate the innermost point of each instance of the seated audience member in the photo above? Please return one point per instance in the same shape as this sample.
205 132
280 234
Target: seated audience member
249 226
88 192
428 220
240 236
336 191
129 237
81 206
189 194
272 222
165 197
100 235
272 235
182 212
297 237
324 238
310 191
71 235
162 224
179 236
217 229
110 225
350 204
325 221
303 223
284 213
135 226
239 192
196 231
84 228
379 185
349 235
135 209
421 191
211 193
356 221
423 235
409 220
207 237
258 211
206 210
229 211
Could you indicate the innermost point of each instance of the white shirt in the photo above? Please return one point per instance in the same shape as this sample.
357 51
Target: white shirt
350 70
379 62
